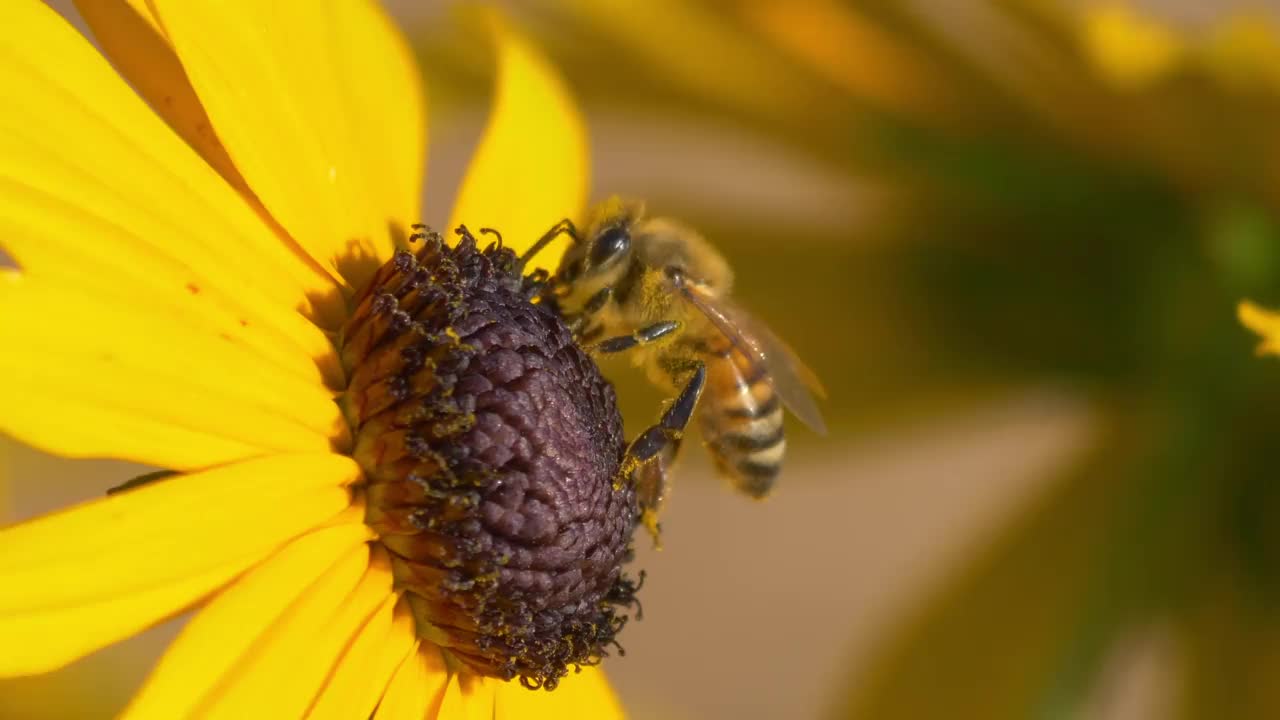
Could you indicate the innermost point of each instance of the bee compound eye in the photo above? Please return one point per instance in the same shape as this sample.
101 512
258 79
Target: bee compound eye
610 244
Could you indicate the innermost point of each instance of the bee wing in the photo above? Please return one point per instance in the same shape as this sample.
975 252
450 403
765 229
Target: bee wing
794 382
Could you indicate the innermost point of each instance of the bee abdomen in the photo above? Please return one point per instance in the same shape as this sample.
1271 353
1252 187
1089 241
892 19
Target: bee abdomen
754 478
746 439
754 410
749 442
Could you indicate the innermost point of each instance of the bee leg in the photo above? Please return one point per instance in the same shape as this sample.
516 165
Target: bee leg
643 336
657 446
534 283
564 227
594 304
652 481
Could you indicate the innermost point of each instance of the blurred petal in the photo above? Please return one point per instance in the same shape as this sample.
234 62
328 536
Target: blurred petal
70 211
1020 607
1130 50
365 670
417 688
320 108
240 621
191 398
287 667
722 63
83 578
582 695
1263 322
531 167
1244 51
1230 652
852 51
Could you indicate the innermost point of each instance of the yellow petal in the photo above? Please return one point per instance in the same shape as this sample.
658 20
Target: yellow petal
83 578
364 672
1263 322
135 43
469 697
65 351
132 38
123 434
95 190
416 689
285 669
582 695
320 108
225 633
531 168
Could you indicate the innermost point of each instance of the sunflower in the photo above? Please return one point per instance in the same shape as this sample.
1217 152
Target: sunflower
213 244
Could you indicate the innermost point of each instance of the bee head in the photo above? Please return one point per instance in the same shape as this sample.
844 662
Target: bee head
606 244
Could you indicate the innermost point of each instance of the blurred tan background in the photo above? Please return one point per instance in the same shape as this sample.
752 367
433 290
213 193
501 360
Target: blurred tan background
961 471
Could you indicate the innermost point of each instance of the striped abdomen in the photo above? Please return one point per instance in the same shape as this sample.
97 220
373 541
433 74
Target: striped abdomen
741 420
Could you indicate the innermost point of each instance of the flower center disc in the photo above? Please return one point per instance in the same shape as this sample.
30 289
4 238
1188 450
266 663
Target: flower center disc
490 442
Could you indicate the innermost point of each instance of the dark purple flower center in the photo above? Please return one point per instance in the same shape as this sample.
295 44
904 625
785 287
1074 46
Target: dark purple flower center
490 444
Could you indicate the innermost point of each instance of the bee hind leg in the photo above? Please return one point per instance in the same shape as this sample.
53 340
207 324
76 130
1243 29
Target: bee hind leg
652 481
651 454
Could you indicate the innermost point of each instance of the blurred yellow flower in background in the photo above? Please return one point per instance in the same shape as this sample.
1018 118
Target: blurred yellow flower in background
1129 48
1264 322
175 300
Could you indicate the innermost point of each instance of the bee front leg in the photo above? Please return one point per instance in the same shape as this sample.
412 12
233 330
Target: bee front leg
651 454
595 303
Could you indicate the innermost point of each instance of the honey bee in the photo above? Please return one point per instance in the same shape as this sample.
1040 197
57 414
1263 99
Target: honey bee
657 289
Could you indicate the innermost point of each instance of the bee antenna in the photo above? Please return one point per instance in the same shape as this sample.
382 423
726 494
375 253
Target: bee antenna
564 227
